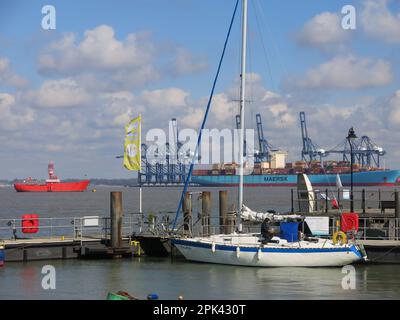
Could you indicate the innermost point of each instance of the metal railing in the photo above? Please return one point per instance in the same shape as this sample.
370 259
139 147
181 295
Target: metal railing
79 228
365 200
75 228
371 228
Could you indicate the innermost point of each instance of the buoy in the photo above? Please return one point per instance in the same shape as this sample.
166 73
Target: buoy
213 247
339 236
259 254
62 238
94 190
152 296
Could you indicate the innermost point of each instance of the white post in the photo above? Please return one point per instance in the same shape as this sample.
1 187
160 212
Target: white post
242 109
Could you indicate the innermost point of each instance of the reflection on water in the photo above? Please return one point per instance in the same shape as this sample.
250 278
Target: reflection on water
78 279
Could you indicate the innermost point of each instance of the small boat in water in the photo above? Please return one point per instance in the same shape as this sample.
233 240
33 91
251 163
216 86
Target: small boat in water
53 184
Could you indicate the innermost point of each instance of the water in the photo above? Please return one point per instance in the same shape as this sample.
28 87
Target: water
76 279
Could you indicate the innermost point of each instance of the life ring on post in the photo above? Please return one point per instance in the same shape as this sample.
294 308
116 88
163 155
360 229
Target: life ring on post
339 236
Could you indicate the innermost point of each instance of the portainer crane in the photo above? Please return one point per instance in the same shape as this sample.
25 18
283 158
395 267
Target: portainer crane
310 151
365 152
164 164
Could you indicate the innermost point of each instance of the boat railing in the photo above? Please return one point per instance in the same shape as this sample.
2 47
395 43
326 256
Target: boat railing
371 228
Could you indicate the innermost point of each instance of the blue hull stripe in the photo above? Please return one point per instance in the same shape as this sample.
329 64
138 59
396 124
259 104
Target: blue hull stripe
271 250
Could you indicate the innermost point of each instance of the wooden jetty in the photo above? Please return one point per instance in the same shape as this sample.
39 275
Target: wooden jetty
101 245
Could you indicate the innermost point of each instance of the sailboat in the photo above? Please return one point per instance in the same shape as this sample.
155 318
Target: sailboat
261 249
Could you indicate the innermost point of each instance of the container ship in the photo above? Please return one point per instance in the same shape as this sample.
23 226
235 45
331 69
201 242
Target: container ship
52 184
264 175
271 169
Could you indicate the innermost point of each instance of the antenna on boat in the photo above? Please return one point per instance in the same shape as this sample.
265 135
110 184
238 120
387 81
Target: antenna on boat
242 109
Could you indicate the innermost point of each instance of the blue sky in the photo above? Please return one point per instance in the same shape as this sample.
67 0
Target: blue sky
64 94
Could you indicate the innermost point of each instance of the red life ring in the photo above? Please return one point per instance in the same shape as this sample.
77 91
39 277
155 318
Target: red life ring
30 223
349 222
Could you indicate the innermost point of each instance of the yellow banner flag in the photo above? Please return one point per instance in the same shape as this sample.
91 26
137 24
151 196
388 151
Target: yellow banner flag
132 146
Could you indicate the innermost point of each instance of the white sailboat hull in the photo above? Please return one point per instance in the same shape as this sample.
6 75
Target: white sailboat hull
268 256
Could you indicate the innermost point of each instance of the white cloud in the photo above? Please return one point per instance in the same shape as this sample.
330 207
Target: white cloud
60 94
394 109
347 72
187 63
9 77
99 50
117 63
163 99
322 31
11 118
379 22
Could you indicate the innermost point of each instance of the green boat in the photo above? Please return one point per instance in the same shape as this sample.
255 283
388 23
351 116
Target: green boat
120 295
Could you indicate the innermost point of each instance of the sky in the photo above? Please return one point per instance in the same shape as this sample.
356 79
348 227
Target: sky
67 93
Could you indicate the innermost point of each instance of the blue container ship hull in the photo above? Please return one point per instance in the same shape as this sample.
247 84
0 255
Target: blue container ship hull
366 178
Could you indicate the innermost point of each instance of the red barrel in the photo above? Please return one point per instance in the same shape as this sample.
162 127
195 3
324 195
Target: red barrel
30 223
349 222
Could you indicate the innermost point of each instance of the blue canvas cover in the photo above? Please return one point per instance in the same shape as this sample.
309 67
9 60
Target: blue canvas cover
289 231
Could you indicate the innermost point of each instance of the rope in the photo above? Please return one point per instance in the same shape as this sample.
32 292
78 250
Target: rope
205 117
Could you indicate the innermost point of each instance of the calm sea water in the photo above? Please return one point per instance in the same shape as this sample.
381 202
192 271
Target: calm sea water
77 279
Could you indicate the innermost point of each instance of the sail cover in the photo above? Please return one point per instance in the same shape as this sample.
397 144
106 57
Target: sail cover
250 215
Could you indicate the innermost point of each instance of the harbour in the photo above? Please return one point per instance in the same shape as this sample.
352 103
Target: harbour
248 210
78 278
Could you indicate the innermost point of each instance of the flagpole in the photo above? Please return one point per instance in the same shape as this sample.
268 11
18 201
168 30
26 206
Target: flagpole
140 167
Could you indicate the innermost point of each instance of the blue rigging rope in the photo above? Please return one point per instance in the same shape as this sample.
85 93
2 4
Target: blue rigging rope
205 118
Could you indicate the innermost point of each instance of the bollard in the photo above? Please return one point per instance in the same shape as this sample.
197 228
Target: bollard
187 213
116 218
292 201
363 200
205 212
223 210
397 204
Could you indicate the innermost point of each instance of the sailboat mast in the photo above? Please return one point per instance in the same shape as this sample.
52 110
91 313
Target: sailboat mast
242 109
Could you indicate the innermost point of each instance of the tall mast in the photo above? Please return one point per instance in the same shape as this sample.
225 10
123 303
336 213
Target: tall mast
242 108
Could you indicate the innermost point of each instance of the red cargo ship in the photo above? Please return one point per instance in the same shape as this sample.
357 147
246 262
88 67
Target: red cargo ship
53 184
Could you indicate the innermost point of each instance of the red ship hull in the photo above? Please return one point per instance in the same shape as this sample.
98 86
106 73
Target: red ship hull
75 186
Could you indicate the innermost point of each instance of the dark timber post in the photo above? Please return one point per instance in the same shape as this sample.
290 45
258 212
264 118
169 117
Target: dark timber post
326 201
205 212
397 204
292 200
223 209
187 213
363 201
379 198
116 218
